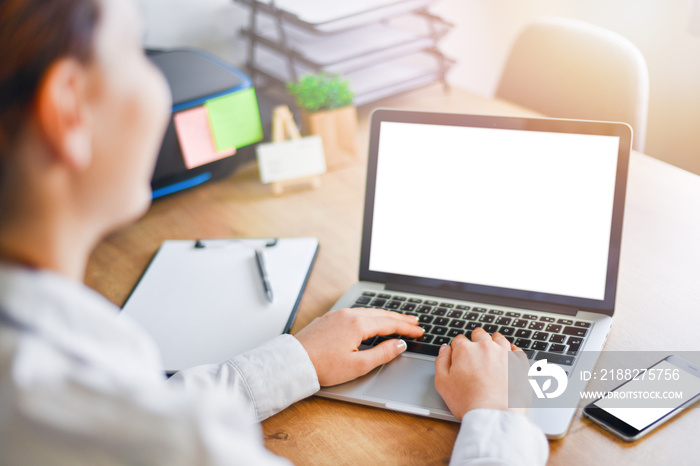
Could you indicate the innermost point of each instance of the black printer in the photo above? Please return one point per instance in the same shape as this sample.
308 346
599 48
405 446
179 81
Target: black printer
195 79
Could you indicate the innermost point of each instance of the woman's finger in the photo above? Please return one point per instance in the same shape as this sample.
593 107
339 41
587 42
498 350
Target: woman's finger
501 340
479 334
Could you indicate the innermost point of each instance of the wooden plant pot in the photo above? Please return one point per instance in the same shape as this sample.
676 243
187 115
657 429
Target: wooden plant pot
338 130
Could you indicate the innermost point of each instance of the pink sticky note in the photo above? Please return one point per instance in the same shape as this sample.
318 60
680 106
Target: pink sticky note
196 141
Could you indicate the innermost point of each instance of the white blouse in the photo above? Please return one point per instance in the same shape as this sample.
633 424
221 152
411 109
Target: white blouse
80 385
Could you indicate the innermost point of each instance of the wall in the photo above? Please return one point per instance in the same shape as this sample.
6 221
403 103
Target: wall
210 25
485 30
480 42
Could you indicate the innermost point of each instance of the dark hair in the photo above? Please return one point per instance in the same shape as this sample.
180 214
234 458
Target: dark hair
33 35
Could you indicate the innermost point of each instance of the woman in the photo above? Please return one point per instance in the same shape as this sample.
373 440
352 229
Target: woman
82 114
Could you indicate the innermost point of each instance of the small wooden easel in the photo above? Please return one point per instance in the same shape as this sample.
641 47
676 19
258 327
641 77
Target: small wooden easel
284 128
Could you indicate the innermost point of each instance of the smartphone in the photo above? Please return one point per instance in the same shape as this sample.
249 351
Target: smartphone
626 417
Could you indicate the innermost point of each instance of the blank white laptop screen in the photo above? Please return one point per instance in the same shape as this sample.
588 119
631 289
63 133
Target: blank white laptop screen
525 210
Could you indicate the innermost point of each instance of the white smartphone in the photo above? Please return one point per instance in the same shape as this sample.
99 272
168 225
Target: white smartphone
672 375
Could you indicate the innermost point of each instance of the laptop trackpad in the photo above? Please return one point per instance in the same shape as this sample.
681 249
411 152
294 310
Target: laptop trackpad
407 380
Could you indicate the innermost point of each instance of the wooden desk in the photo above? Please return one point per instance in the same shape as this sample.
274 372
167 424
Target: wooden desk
657 307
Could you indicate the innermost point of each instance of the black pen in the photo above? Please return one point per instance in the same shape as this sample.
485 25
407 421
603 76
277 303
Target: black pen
263 274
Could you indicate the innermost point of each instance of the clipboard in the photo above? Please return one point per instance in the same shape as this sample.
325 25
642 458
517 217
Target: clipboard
204 301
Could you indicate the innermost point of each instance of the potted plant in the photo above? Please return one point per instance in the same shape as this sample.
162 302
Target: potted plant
326 107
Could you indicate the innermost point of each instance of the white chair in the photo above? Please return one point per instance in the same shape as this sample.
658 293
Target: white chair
565 68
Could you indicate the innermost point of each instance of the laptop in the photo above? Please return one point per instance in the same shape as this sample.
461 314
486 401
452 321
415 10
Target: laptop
510 224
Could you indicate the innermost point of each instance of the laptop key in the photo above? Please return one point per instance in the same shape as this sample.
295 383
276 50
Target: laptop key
536 325
490 328
425 319
369 293
558 338
530 317
561 359
415 300
546 319
463 307
378 302
583 324
522 333
472 316
455 314
553 328
394 305
539 345
408 307
520 323
457 323
487 318
453 332
441 341
541 336
426 328
574 344
565 321
447 305
399 298
522 343
441 321
507 331
472 325
503 321
384 296
441 311
512 314
496 312
556 348
422 348
425 338
430 303
424 309
437 330
479 309
363 300
575 331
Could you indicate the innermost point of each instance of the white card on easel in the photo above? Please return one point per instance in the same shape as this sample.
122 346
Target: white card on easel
293 158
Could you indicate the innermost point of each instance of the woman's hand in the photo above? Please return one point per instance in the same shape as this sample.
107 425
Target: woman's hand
332 341
474 374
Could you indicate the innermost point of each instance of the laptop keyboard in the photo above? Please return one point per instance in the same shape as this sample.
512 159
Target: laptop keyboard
541 337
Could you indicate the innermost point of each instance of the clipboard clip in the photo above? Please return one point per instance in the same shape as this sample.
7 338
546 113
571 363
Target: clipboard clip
199 244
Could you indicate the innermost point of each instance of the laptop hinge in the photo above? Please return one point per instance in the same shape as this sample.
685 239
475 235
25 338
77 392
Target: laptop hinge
481 298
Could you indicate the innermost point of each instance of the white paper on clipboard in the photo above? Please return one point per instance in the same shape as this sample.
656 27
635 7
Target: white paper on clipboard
206 305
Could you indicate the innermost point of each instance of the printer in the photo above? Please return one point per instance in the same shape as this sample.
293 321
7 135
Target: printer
200 81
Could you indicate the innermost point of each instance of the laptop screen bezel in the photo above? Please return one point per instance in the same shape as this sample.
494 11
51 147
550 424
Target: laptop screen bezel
472 291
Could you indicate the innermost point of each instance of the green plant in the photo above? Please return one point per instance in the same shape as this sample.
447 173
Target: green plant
321 91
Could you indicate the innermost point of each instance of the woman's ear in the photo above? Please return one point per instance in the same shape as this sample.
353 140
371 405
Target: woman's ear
63 114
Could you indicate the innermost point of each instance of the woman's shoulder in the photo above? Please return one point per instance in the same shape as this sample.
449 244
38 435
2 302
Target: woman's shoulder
50 324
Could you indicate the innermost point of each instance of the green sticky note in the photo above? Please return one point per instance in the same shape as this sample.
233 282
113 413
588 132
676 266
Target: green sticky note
235 120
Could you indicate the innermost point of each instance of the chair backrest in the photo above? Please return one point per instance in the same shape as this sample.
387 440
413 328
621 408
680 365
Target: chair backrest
566 68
